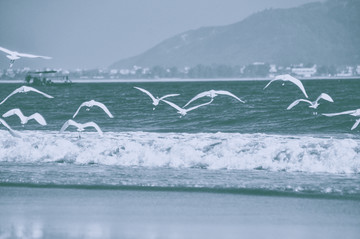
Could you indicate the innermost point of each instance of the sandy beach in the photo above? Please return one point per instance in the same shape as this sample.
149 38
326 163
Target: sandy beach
91 213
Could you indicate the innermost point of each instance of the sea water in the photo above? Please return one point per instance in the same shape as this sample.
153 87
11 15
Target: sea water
227 145
276 159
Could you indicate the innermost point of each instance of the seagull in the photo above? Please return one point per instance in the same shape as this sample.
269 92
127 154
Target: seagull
355 113
290 78
25 89
357 122
11 131
90 104
157 99
24 119
313 104
183 111
14 55
212 94
81 127
349 112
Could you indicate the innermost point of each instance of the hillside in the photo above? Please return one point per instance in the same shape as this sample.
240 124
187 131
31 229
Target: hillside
325 33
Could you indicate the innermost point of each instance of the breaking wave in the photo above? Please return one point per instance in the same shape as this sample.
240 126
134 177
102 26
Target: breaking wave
182 150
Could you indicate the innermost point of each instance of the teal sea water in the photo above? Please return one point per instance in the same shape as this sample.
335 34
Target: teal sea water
255 148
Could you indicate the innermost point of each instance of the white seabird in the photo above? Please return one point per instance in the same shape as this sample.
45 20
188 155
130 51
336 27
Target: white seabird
24 119
14 55
313 104
355 113
349 112
25 89
212 94
92 103
80 127
155 100
11 131
183 111
290 78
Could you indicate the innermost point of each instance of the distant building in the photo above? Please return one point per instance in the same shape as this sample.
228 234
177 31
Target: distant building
358 69
348 71
272 70
304 71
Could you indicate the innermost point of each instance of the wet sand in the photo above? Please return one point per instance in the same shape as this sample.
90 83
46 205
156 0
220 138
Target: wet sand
92 213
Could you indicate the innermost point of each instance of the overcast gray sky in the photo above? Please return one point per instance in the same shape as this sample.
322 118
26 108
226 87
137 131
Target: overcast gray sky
96 33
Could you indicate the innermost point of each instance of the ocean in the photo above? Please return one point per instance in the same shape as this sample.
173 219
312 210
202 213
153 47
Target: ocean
253 149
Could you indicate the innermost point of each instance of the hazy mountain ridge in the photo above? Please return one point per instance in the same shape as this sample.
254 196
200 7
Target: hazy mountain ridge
322 33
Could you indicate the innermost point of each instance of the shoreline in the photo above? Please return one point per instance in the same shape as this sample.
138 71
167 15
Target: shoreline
77 213
178 80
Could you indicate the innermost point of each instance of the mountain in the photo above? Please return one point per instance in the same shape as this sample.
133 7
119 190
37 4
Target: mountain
325 33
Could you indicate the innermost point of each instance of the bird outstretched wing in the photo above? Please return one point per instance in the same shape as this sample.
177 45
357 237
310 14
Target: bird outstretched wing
6 50
340 113
11 131
357 122
297 102
39 118
324 96
28 88
198 96
146 92
104 108
94 125
224 92
197 106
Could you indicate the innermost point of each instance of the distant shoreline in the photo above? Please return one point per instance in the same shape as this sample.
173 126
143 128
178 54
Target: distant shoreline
178 80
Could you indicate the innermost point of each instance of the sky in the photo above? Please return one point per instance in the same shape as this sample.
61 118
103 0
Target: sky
90 34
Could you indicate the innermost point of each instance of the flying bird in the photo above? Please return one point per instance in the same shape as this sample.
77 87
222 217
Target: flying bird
90 104
357 122
25 89
212 94
313 104
11 131
349 112
355 113
24 119
290 78
80 127
155 100
14 55
183 111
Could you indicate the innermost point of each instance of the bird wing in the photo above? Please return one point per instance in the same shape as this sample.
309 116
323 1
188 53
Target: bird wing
39 118
297 102
200 95
11 94
325 97
12 132
67 124
28 88
33 56
6 50
224 92
270 83
357 122
102 106
195 107
94 125
146 92
15 112
77 111
295 81
340 113
173 105
169 95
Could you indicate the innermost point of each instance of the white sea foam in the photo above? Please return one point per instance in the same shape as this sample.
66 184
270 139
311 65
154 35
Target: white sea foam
178 150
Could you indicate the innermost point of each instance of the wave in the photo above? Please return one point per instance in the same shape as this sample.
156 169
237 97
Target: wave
182 150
